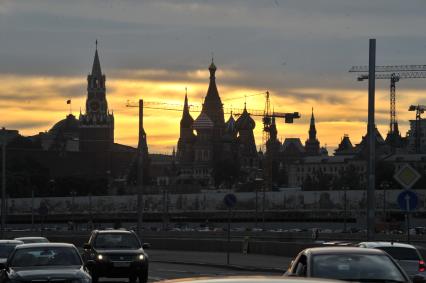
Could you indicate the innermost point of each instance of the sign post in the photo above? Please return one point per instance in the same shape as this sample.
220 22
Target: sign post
230 201
407 201
407 176
43 210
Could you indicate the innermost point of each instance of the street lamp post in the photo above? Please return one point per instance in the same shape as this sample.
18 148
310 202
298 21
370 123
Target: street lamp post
73 194
32 208
3 187
258 182
384 186
263 206
90 210
344 208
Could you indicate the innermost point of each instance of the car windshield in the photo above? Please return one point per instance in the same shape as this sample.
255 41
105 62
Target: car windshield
400 253
356 267
116 241
45 256
6 249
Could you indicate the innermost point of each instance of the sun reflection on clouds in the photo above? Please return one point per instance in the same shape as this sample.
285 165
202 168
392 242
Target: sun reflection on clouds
36 103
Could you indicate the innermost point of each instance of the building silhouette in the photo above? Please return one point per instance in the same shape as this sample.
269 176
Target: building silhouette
215 144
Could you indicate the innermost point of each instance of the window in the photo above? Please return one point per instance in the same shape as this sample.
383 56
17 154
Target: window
301 267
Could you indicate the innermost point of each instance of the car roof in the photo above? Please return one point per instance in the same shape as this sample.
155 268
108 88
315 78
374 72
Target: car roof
343 250
30 238
114 231
387 244
45 245
11 242
249 279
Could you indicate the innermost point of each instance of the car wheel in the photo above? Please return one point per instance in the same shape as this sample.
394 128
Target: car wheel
143 277
132 279
95 279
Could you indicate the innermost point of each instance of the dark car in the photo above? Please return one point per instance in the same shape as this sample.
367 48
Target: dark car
44 262
349 264
6 247
116 254
249 279
31 240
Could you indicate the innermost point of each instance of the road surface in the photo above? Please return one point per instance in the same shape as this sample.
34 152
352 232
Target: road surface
164 271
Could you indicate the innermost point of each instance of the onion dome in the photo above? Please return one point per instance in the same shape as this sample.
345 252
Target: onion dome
245 122
187 120
230 125
203 122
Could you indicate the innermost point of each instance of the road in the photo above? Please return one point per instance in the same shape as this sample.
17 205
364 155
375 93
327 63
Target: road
164 271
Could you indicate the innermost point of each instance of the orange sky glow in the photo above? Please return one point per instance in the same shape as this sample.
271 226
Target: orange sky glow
36 103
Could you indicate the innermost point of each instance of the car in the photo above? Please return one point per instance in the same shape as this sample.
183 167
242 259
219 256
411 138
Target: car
408 257
349 264
250 279
6 247
44 262
30 240
116 254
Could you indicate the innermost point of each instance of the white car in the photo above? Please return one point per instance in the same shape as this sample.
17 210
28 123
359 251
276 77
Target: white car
408 257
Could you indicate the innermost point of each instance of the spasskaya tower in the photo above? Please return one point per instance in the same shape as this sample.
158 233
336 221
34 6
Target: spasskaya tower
97 123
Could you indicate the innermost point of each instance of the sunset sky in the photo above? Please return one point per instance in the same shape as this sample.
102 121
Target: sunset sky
299 50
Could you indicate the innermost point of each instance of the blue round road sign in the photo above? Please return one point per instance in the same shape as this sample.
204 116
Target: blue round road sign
407 200
230 200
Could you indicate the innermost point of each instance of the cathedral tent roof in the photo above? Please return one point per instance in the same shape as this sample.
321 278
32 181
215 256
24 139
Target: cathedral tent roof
187 120
212 105
203 122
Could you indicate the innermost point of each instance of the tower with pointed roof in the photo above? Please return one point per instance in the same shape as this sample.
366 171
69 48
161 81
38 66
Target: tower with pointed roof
248 152
186 140
97 123
213 106
312 145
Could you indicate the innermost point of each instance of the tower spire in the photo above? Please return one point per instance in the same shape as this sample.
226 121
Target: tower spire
312 129
96 67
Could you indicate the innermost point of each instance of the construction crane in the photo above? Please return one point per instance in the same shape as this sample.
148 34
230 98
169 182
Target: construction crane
394 74
266 114
420 109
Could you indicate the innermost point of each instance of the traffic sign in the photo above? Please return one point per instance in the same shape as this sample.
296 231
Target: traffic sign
407 176
230 200
407 200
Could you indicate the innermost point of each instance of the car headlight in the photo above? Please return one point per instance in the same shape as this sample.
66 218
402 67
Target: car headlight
141 257
100 257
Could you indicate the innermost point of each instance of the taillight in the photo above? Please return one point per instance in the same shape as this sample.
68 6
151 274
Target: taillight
421 266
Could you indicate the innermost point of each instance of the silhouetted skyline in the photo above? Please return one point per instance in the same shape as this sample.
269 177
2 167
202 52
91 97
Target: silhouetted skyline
298 50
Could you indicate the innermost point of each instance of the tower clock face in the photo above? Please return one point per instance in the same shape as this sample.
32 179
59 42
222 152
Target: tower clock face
94 105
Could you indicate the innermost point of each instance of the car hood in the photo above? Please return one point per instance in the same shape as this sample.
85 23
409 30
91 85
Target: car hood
42 272
119 251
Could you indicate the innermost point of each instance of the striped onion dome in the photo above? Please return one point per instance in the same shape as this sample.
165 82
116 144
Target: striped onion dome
203 122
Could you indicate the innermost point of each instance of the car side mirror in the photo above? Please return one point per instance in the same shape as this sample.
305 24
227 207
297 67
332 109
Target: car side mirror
418 278
89 263
146 245
86 246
